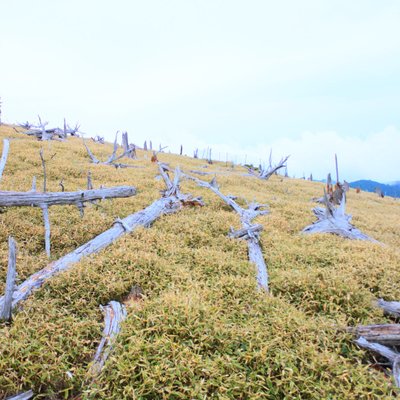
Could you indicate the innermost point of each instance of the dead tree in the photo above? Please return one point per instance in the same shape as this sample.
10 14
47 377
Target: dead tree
334 220
45 200
129 149
5 311
171 201
98 139
249 232
4 155
196 153
42 133
266 173
114 314
113 158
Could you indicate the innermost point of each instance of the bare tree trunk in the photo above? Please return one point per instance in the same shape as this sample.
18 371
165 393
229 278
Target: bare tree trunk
10 280
46 220
114 314
20 199
22 396
249 232
4 155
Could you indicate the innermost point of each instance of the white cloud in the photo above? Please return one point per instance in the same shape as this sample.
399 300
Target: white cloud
373 157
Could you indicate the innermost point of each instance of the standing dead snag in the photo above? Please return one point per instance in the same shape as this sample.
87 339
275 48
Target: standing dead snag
334 220
266 173
250 232
4 155
5 312
113 157
114 314
172 201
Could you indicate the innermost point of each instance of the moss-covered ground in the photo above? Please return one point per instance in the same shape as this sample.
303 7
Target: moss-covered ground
202 330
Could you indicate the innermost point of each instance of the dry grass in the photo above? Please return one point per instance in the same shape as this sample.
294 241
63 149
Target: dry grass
202 330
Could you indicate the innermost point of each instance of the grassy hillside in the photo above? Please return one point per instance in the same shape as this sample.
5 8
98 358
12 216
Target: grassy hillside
202 331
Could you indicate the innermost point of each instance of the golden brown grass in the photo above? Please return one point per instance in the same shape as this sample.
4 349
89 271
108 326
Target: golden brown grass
203 330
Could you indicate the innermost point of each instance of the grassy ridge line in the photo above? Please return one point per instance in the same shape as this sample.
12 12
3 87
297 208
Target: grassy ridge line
203 332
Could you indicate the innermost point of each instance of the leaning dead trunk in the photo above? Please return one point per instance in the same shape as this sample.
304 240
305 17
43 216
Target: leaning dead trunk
171 202
4 155
5 311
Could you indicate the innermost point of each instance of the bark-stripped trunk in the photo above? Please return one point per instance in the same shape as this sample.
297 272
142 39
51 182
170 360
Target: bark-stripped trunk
5 311
20 199
4 155
114 314
334 220
250 232
172 201
383 351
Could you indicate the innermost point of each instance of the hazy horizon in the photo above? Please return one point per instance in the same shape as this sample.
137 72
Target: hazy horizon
309 79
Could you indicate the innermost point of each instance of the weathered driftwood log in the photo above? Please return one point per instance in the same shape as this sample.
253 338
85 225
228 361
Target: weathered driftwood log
335 220
18 199
5 311
4 155
383 351
386 334
171 202
113 158
266 173
250 232
22 396
390 307
114 314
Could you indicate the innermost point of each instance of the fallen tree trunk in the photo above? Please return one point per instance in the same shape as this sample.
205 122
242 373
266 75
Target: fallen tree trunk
390 307
170 203
19 199
334 220
4 155
250 232
114 314
383 351
386 334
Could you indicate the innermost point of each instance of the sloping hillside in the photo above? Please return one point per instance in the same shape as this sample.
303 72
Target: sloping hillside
202 330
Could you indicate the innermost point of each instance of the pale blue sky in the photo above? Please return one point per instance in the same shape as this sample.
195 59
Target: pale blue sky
239 76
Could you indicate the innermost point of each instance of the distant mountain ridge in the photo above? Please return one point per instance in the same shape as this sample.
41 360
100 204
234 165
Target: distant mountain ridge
392 190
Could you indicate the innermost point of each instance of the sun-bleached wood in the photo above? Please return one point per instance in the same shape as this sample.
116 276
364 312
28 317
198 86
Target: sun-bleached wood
266 173
250 232
113 158
334 220
390 307
169 203
22 396
4 155
20 199
114 314
384 351
386 334
5 311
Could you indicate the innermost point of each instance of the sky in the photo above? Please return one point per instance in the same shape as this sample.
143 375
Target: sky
308 78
